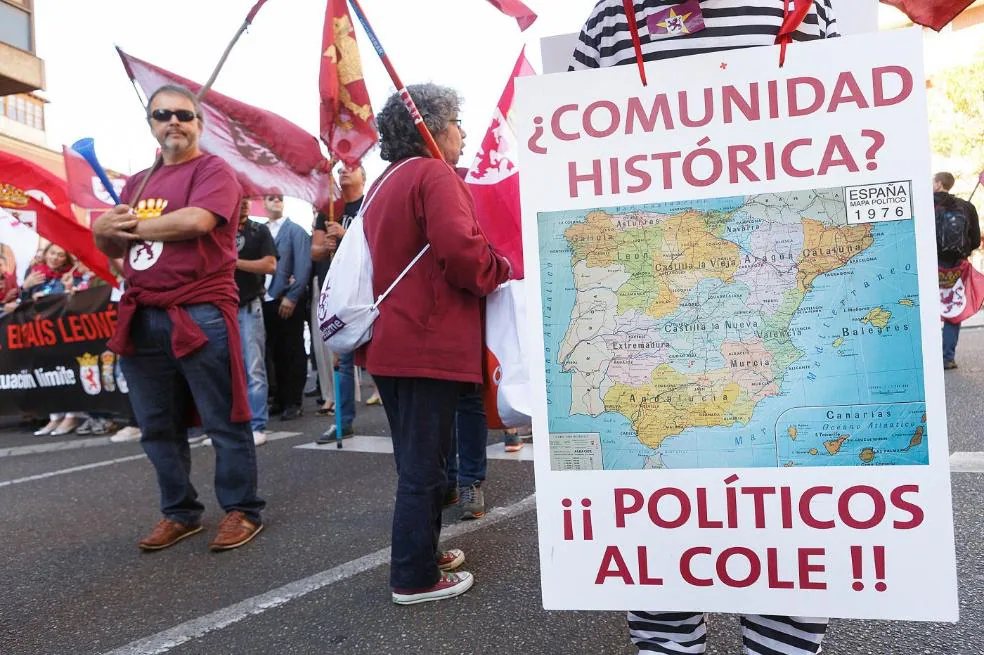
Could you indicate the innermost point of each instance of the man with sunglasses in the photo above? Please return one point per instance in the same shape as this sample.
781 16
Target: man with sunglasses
177 330
283 319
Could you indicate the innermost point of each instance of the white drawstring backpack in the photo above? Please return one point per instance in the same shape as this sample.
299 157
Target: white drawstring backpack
346 309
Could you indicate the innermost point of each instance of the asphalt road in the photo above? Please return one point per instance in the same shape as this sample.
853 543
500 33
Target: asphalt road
315 581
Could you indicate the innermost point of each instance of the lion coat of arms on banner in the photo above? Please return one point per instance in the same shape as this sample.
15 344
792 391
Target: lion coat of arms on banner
89 373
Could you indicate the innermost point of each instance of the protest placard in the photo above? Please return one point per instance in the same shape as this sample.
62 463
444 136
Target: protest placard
732 277
53 356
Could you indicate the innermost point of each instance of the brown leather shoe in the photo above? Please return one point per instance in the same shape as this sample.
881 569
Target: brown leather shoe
167 533
235 530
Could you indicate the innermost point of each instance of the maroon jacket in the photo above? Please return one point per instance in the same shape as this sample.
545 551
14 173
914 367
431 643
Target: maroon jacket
430 326
186 337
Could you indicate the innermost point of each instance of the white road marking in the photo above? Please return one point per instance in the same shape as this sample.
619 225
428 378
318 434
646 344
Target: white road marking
967 462
355 444
384 445
167 640
273 436
53 446
74 469
73 444
277 436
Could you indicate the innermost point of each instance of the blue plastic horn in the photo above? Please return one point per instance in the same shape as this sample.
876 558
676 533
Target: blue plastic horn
87 148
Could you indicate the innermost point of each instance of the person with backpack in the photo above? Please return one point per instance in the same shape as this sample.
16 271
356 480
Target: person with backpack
958 233
426 346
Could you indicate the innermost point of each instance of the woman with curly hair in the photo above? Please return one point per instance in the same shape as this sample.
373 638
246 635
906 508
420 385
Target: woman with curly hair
426 345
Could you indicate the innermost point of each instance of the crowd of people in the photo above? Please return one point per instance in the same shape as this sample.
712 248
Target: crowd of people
212 325
276 277
54 271
214 278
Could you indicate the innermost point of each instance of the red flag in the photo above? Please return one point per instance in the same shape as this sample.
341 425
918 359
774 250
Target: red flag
35 196
523 14
961 292
257 208
269 153
494 177
84 188
348 126
931 13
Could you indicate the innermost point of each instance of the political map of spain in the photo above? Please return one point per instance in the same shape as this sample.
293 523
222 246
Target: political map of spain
744 331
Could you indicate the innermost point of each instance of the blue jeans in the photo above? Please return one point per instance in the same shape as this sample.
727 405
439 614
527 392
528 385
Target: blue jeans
951 332
252 334
162 391
346 389
468 461
420 412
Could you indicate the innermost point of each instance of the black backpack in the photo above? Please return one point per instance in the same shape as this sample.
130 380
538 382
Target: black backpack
952 223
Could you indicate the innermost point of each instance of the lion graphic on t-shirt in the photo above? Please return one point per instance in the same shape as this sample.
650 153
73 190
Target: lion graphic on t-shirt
144 254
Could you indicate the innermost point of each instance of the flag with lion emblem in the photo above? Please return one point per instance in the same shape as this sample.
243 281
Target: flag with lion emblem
269 153
348 126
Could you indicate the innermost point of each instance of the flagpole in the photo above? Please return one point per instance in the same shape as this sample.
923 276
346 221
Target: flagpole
201 92
408 102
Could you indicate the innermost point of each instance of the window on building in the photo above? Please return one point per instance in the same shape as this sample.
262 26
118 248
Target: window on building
25 109
21 106
15 27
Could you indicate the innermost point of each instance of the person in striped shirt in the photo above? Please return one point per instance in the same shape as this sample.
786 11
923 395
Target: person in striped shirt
696 27
727 24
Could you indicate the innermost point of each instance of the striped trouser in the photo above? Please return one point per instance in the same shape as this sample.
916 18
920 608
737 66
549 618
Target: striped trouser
686 632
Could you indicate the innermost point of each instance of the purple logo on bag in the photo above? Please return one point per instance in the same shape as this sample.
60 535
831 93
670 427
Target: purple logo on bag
331 327
685 18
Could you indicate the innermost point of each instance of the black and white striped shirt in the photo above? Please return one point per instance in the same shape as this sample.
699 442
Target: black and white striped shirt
605 39
729 24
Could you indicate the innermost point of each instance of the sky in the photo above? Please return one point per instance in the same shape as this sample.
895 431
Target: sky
465 44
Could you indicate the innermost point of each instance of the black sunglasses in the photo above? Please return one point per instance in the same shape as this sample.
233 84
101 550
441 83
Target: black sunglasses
183 115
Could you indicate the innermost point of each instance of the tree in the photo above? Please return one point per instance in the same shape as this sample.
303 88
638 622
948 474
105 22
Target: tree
956 118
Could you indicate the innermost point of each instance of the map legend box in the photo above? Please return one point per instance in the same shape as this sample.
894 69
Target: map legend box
575 451
876 203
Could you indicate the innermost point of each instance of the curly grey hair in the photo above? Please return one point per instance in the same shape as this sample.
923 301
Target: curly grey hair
398 136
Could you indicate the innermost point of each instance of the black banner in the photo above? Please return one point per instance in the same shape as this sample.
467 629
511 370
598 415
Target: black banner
53 356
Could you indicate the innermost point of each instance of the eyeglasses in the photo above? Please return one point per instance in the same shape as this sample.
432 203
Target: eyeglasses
183 115
456 121
275 198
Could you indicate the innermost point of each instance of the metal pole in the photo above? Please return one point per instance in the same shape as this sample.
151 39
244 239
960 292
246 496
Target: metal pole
408 102
201 93
338 402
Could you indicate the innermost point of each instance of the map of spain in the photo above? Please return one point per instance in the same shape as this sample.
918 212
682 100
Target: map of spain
763 330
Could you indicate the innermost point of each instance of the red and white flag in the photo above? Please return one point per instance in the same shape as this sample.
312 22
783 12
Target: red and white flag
493 180
931 13
269 153
961 292
494 177
84 188
34 198
523 14
348 126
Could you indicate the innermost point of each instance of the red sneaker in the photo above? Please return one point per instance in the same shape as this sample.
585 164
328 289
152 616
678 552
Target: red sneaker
451 559
449 586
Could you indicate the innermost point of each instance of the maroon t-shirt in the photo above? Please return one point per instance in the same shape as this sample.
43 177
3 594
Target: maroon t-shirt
205 182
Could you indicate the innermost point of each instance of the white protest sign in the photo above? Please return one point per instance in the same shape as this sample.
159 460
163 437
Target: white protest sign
732 276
